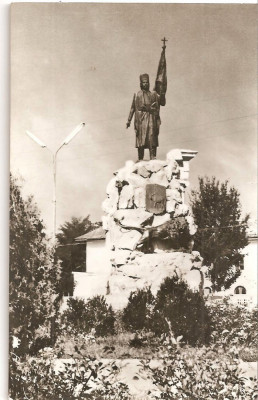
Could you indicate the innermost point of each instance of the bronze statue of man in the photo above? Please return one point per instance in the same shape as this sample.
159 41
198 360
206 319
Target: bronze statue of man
145 108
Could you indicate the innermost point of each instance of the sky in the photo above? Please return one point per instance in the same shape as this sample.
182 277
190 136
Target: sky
81 62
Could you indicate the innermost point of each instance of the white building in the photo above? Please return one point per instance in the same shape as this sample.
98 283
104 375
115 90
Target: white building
244 290
93 281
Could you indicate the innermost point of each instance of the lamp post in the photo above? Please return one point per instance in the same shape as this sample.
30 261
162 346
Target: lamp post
54 156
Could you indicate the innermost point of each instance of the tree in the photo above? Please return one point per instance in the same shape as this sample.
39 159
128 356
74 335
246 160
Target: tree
72 255
34 277
74 228
221 230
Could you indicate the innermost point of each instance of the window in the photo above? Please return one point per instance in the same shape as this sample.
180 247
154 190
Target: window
207 291
240 290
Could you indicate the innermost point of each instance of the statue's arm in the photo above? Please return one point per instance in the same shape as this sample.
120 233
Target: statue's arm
131 113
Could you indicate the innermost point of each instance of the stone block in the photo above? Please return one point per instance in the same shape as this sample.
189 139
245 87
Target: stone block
128 240
160 219
181 210
111 186
169 193
106 206
171 169
120 257
175 184
113 197
184 184
123 173
126 197
140 197
192 226
105 222
159 178
129 165
171 205
114 233
136 180
155 165
119 185
134 218
109 205
142 170
174 154
174 194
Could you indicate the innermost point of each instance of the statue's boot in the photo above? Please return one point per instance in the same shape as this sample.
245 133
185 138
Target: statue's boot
153 152
140 153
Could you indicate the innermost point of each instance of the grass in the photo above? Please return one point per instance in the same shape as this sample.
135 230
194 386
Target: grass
120 346
123 345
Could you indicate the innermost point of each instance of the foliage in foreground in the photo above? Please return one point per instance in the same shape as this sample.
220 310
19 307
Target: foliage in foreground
221 230
43 379
34 289
206 373
84 316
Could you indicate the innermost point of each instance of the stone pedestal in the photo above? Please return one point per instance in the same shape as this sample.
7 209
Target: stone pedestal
149 227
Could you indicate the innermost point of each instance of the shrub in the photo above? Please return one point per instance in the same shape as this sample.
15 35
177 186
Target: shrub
137 314
204 373
45 379
181 310
84 316
233 325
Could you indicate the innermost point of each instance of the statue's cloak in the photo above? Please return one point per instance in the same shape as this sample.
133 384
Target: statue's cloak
146 124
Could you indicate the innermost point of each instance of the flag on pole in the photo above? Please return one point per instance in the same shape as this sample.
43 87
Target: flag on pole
161 79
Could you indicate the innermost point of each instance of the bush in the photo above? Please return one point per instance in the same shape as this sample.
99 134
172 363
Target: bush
176 310
138 312
45 379
84 316
182 311
233 325
205 373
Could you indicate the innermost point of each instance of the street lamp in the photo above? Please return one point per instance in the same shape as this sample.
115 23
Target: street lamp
54 155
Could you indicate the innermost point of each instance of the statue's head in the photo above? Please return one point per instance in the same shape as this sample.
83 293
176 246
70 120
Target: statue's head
144 82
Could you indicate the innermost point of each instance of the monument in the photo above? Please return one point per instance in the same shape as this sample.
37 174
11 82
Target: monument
146 109
149 229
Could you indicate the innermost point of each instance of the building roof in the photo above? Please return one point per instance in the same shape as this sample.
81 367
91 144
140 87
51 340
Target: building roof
96 234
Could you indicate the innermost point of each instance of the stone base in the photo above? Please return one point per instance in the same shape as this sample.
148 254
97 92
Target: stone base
151 270
149 228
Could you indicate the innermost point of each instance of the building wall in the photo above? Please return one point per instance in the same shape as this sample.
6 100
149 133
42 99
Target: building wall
247 279
94 280
96 257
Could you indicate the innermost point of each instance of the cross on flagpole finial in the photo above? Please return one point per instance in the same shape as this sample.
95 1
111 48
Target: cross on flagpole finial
164 40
